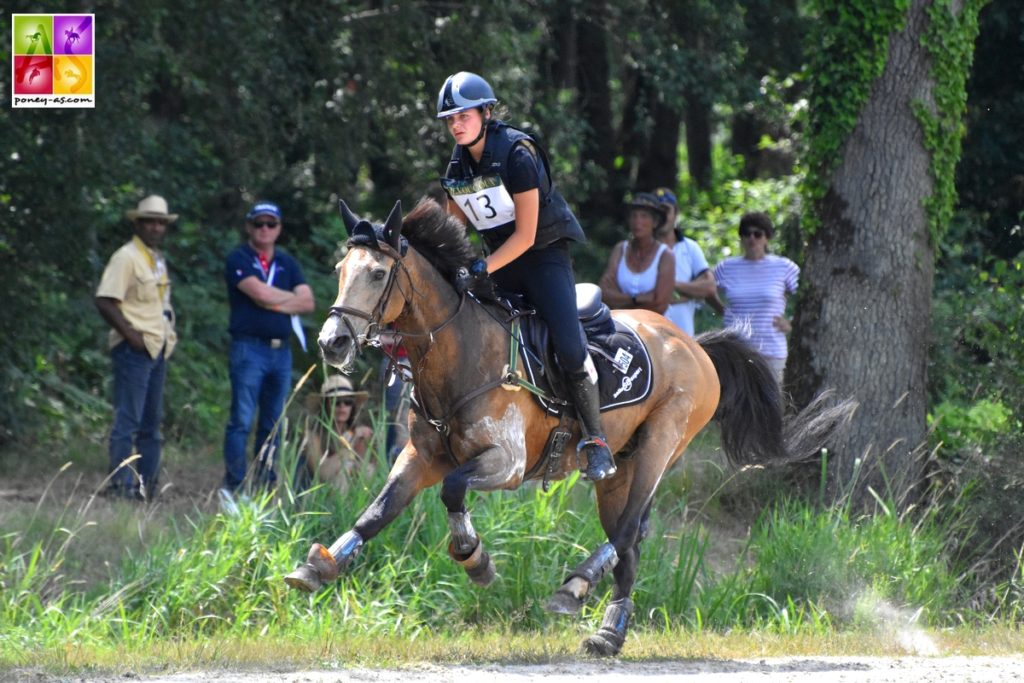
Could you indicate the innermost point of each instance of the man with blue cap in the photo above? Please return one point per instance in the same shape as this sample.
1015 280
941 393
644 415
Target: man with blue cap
267 292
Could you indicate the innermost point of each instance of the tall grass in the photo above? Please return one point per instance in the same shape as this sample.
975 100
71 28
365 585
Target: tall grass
219 576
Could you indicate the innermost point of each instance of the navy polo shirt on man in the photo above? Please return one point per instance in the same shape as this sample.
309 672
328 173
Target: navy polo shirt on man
247 318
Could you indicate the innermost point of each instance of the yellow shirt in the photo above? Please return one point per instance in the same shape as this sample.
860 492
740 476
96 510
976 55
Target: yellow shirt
136 277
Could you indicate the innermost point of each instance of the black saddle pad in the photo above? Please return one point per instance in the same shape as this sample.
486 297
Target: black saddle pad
621 358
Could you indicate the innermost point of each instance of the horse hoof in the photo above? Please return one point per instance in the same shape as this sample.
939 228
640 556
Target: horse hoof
305 578
478 565
602 644
563 603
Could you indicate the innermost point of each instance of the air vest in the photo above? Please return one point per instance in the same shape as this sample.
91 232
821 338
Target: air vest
484 199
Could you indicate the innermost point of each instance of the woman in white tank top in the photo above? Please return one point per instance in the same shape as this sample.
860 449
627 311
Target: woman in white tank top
640 271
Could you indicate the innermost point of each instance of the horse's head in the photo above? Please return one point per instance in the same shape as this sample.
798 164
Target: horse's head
367 279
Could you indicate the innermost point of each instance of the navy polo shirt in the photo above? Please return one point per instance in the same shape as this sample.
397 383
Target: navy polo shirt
248 318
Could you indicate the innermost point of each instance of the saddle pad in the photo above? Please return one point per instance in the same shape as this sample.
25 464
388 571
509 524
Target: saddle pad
623 368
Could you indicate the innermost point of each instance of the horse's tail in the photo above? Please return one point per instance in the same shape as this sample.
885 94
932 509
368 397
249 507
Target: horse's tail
751 409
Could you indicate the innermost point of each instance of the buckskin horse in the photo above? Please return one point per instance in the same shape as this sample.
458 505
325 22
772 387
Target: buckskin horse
467 433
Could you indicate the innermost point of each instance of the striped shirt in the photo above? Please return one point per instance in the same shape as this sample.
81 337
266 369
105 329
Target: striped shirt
756 293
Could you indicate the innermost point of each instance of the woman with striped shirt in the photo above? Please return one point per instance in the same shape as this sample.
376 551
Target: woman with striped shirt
755 286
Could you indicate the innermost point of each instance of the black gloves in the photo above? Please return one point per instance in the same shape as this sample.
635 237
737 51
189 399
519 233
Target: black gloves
473 279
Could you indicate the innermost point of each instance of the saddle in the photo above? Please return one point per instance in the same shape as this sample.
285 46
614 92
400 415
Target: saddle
621 358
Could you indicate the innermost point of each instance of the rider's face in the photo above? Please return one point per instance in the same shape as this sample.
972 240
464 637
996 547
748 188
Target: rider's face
465 126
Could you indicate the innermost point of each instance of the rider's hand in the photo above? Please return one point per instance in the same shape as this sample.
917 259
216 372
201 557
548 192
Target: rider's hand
468 279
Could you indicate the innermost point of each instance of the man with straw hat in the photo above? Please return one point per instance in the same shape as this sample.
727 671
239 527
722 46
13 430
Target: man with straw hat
134 298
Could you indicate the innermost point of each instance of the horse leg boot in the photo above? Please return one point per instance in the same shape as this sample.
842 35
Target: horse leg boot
323 565
466 549
568 599
588 406
609 638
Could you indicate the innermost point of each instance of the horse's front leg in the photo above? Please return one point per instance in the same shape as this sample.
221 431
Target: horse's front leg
411 474
501 465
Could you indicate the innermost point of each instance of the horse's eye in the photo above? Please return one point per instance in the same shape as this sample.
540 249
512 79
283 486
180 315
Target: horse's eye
378 273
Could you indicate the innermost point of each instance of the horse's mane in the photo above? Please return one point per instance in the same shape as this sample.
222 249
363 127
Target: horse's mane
438 237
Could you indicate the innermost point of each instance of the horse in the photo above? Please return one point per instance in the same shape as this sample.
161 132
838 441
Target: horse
468 434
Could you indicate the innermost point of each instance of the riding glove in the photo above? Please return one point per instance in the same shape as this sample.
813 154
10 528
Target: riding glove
473 279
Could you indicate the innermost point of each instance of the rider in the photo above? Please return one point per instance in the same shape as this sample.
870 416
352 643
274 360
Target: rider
498 180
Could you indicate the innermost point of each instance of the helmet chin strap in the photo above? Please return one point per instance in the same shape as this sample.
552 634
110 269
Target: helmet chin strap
483 129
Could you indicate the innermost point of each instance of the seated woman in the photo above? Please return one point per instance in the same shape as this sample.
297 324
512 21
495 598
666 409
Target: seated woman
334 446
640 271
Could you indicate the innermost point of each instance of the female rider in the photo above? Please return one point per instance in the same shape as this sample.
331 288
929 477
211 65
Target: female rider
498 180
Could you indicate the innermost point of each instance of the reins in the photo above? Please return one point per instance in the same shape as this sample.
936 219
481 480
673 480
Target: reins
510 378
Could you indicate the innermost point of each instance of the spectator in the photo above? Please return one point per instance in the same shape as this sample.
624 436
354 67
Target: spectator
134 298
334 444
640 270
693 281
755 286
266 292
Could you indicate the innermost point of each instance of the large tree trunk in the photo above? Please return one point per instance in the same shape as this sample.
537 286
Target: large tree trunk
863 320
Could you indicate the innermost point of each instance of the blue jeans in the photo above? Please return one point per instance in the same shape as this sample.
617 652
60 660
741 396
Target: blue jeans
138 411
261 377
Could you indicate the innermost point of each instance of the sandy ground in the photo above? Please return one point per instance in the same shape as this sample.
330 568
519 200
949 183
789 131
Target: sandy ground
775 670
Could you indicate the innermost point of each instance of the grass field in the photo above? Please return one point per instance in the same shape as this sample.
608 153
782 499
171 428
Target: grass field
88 583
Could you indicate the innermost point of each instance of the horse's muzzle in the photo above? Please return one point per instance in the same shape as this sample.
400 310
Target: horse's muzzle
337 345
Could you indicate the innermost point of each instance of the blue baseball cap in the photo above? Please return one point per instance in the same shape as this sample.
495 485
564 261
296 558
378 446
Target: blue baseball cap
666 196
263 209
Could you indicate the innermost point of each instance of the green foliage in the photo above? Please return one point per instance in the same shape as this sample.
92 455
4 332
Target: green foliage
828 558
958 426
852 41
950 41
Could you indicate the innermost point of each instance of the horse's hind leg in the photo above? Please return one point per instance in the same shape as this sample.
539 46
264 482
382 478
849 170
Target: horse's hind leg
411 474
611 635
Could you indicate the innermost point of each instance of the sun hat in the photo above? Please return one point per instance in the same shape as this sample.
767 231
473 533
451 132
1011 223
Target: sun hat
263 209
153 206
339 386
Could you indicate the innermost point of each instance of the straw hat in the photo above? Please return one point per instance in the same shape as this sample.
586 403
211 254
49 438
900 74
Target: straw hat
339 386
153 206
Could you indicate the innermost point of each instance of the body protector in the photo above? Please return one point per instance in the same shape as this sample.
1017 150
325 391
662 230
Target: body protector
484 198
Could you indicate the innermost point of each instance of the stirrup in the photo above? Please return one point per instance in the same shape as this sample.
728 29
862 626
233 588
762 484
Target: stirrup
600 464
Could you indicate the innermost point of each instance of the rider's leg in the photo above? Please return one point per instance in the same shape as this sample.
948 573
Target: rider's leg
584 393
545 276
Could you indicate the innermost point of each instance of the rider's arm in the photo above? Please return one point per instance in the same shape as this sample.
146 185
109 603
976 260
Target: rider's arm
519 242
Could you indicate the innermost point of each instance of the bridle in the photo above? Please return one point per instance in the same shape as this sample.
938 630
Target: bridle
373 318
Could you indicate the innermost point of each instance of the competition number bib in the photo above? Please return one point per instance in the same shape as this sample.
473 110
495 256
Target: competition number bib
484 200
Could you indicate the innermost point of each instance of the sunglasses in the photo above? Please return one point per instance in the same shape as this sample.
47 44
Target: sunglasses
757 234
265 224
342 401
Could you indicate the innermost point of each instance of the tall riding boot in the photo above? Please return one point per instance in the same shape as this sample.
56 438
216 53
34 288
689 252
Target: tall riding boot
599 458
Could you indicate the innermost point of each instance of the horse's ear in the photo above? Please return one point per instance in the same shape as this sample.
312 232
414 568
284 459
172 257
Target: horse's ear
350 219
393 226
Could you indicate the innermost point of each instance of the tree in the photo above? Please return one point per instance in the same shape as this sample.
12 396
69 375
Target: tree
886 107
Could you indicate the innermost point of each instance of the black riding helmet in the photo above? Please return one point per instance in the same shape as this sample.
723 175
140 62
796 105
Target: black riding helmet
646 200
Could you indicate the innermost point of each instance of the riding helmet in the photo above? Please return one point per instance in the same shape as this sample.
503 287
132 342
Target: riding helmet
463 91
